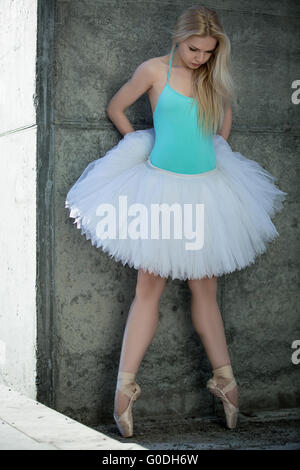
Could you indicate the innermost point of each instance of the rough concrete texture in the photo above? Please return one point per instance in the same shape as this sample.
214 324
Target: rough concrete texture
97 47
277 430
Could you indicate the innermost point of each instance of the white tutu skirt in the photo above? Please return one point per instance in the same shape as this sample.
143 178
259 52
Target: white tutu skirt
231 226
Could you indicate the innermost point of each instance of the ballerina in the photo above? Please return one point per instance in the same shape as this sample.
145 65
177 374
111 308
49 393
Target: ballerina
184 160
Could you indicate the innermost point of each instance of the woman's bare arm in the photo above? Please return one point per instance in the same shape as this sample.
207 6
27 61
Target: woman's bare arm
141 81
227 123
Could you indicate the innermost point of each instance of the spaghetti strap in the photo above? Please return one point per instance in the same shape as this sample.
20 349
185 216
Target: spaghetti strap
170 64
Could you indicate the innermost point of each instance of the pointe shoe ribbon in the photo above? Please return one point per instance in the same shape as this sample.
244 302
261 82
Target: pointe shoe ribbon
231 411
129 387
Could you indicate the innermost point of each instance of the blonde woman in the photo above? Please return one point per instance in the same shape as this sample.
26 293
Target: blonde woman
184 161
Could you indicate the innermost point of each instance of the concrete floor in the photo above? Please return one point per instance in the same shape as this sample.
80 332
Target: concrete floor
26 424
265 430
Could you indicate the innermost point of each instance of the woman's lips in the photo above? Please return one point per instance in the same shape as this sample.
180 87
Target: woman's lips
195 65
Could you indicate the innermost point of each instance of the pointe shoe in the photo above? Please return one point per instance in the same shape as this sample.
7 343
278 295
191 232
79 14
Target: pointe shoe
129 387
213 385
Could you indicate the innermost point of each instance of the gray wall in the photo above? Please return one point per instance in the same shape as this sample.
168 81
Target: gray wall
86 51
18 149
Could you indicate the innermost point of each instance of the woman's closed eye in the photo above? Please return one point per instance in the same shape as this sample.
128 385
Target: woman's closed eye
206 52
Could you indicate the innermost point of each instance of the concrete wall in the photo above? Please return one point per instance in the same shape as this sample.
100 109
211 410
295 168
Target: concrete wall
18 134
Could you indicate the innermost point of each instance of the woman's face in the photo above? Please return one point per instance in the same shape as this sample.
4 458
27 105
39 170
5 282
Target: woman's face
196 50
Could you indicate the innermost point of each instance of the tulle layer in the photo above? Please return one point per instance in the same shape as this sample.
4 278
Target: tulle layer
238 200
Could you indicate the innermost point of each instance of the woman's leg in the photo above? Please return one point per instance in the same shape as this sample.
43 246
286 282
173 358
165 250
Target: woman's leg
140 328
208 323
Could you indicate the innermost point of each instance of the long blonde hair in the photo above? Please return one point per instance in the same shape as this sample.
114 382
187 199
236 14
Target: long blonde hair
212 83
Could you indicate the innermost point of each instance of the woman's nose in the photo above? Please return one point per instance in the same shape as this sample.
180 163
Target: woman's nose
200 58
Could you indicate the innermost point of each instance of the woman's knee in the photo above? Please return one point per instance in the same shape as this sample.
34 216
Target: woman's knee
204 288
149 285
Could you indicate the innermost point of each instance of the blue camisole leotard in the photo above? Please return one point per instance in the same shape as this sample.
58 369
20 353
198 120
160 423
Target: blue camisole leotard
180 145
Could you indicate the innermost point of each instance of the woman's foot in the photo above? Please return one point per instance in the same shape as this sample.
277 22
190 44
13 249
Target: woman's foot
126 393
122 400
224 386
232 395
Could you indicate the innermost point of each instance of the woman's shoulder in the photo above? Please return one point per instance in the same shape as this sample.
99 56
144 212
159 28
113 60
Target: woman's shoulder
156 62
155 65
150 71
